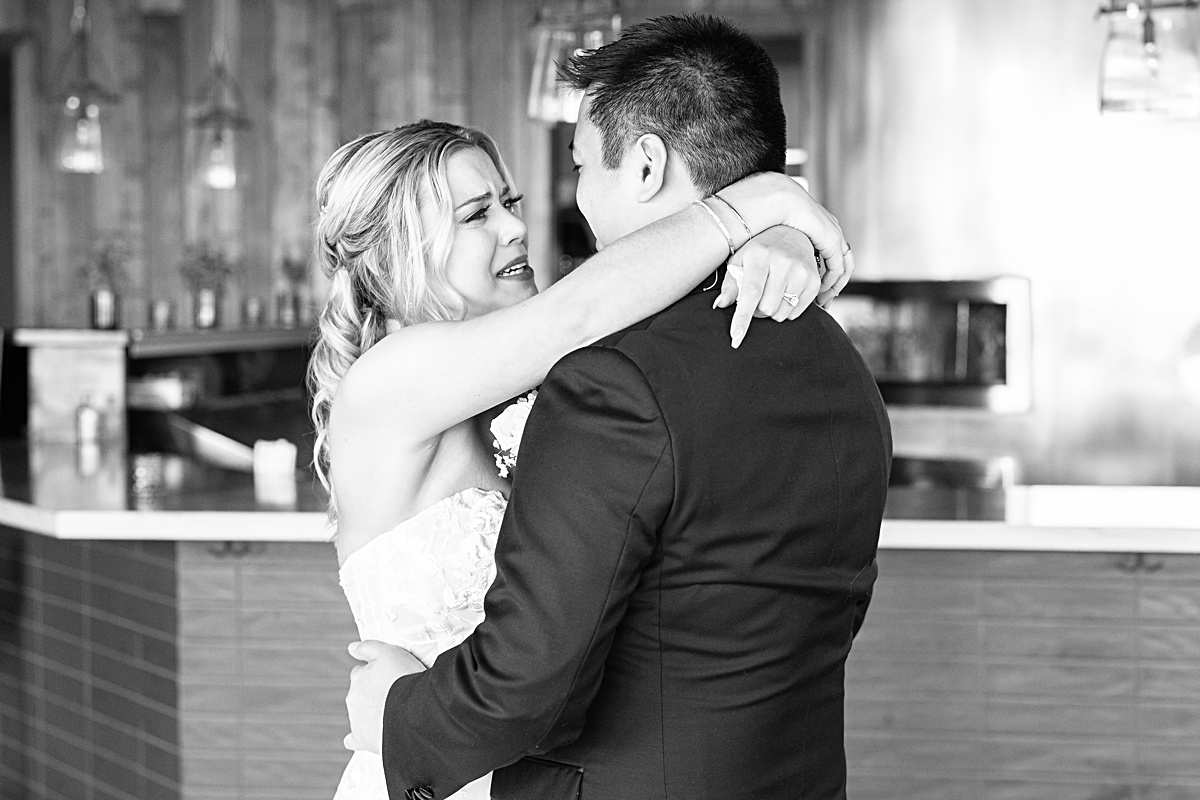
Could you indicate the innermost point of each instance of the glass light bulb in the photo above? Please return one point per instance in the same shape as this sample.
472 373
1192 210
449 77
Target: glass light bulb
219 172
81 149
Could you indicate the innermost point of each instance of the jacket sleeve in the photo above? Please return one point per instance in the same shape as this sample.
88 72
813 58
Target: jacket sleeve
592 487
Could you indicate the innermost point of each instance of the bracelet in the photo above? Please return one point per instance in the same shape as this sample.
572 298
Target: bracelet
721 225
729 205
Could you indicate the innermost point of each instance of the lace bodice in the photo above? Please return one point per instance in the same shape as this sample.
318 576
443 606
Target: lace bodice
421 586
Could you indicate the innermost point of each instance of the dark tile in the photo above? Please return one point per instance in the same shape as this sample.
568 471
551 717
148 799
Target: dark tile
62 784
160 726
157 616
116 637
168 788
65 685
63 752
117 742
116 707
67 653
64 620
115 774
115 671
63 586
162 762
61 553
158 689
117 602
160 653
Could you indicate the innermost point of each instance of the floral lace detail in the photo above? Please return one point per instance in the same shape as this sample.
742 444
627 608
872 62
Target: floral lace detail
508 427
421 585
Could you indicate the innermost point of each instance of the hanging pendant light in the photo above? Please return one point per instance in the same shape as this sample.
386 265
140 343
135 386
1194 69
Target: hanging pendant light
80 146
1151 60
558 35
221 113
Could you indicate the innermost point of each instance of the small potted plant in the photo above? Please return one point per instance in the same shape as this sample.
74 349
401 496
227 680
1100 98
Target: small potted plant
104 275
206 268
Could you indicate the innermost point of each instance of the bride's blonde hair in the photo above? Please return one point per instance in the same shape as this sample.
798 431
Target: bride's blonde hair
372 243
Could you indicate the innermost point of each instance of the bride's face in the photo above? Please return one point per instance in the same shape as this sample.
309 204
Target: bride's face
488 262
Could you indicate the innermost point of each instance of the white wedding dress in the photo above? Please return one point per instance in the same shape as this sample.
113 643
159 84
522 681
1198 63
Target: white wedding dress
421 586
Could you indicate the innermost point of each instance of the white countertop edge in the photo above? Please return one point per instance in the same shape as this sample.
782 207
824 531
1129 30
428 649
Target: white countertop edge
186 526
905 534
26 517
308 526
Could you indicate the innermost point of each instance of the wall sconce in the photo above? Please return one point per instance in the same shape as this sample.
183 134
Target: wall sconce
559 34
221 113
80 141
1151 61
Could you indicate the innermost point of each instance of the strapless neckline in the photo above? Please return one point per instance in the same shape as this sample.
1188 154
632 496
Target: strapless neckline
425 512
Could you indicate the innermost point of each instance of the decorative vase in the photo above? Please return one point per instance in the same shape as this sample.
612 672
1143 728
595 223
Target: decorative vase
162 315
252 312
105 308
287 308
206 308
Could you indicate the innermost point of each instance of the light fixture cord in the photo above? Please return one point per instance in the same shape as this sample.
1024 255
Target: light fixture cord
219 54
79 30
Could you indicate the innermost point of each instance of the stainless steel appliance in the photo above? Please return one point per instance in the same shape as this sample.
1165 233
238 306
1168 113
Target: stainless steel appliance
964 343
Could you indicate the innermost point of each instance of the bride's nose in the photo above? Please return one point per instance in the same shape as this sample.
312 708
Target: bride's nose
513 229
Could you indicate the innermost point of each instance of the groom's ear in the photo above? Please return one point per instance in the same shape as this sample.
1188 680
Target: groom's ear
650 158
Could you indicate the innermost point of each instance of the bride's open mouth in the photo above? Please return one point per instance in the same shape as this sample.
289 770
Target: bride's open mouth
517 268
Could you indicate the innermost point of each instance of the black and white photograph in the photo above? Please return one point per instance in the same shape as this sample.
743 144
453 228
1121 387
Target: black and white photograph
599 400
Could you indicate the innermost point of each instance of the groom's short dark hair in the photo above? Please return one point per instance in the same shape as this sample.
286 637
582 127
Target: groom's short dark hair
708 90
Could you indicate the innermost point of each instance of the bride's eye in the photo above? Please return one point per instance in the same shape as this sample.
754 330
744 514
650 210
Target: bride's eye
478 215
512 201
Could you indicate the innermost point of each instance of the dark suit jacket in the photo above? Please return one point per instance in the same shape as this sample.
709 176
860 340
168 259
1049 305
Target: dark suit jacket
688 551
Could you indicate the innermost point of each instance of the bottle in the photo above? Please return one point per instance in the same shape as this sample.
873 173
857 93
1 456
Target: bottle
87 422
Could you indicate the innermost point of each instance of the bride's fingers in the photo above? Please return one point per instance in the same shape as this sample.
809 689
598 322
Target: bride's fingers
773 304
348 742
729 287
750 291
807 295
827 294
803 282
368 649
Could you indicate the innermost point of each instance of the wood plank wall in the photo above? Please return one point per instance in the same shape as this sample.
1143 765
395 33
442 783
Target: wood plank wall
314 74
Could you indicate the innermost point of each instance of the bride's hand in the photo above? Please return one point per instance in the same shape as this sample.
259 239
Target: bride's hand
369 686
774 275
770 198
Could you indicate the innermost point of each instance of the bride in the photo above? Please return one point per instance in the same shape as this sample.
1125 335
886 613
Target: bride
433 319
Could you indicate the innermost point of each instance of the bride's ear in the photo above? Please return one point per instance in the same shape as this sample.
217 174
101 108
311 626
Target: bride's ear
650 157
392 325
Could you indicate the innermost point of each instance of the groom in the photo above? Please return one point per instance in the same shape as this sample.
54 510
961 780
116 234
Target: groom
690 543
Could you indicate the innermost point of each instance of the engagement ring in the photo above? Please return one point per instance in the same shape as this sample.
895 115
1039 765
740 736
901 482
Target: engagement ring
791 299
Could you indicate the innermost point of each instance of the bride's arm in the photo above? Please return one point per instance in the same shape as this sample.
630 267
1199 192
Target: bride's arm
424 379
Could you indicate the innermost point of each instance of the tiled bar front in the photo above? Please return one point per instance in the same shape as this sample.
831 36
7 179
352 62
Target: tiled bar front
200 670
88 641
1027 676
170 671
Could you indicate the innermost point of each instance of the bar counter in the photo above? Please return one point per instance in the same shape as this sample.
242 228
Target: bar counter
1042 638
59 491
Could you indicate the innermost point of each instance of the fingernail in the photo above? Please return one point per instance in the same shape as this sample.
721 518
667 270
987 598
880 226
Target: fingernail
352 648
738 335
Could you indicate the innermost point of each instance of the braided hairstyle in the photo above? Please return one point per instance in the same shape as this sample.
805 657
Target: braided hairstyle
384 260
